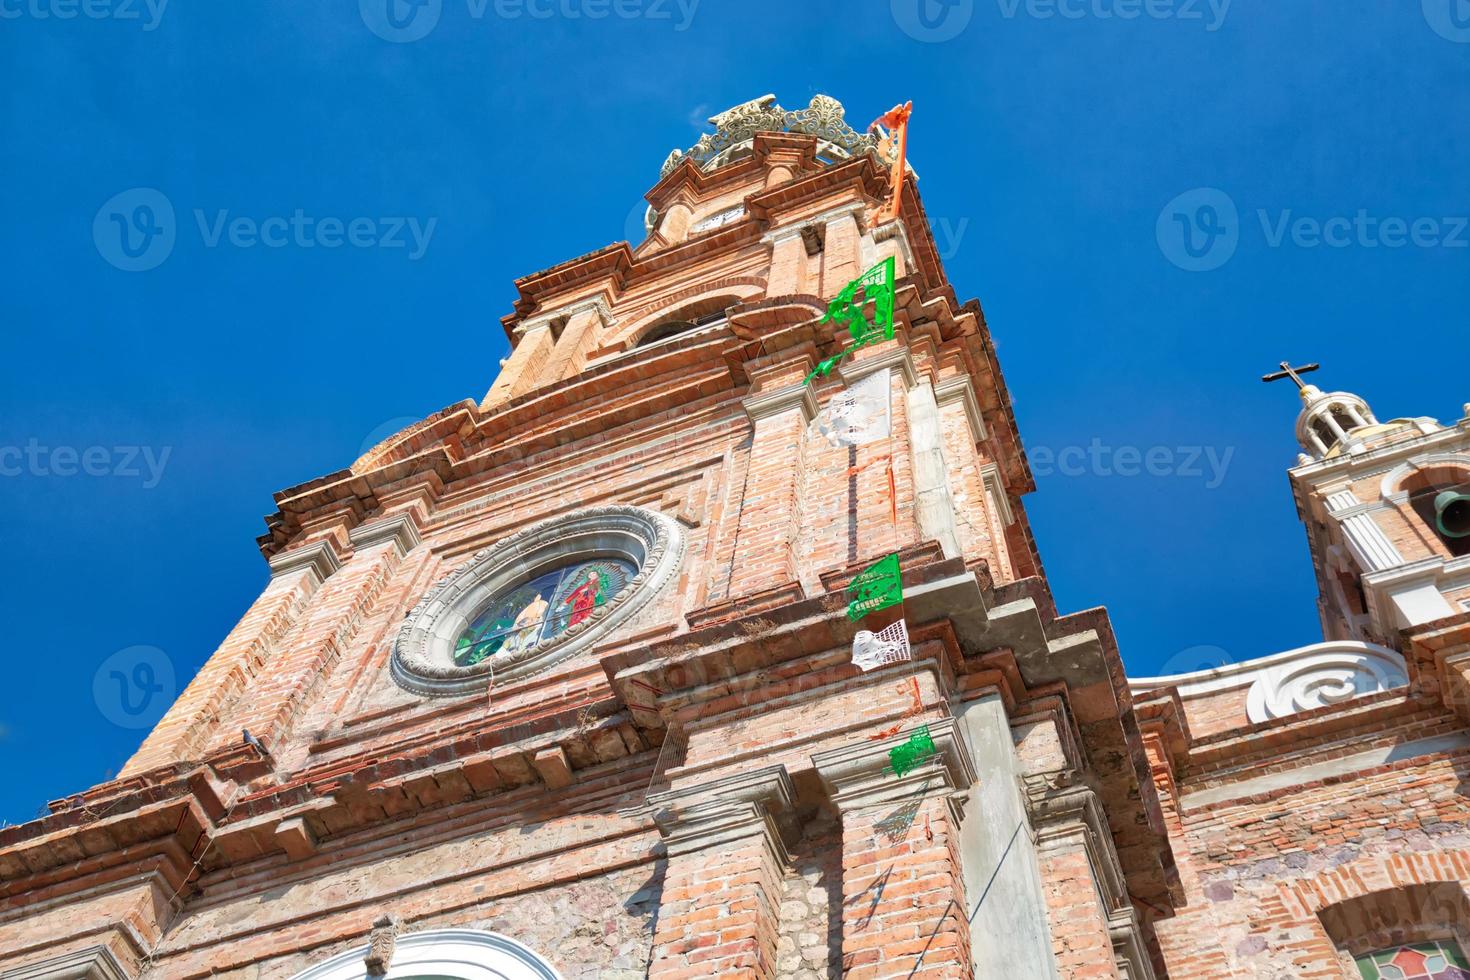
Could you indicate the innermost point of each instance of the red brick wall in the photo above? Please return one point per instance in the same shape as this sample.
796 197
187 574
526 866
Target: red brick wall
1258 869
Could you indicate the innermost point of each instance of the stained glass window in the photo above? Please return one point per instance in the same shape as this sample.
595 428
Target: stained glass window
1415 961
541 608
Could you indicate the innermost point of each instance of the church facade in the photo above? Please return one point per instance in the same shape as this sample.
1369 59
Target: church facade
713 642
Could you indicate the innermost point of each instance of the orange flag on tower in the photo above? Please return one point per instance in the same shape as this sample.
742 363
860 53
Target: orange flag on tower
896 122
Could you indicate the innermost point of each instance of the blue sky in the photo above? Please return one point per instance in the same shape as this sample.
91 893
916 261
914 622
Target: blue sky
146 417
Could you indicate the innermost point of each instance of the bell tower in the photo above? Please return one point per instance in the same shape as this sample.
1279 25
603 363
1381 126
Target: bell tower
1387 511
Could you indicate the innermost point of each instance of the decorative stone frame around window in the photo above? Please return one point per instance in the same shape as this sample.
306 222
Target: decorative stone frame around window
1385 920
465 953
423 661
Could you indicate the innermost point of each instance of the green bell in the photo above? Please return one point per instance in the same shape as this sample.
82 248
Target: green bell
1452 514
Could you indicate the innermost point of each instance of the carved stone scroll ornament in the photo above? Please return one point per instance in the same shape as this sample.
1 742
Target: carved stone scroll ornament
1321 679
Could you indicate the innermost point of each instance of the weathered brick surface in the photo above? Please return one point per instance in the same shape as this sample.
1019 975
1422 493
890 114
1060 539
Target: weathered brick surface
1266 872
522 810
719 913
1079 926
903 897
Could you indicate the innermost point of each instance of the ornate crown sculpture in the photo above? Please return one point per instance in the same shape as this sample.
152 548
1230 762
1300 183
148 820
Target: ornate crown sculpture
737 126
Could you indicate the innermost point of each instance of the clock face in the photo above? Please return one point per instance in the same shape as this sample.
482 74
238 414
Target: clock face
541 608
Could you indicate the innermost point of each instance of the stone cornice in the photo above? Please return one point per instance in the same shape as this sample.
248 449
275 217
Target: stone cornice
400 530
725 810
961 389
611 264
895 230
91 963
783 232
566 312
688 179
766 404
150 828
897 356
994 481
859 775
318 557
1071 815
1381 459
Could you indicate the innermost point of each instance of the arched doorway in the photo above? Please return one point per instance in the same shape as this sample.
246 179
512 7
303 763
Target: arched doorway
443 954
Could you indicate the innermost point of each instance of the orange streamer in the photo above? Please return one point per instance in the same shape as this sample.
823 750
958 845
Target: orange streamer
897 121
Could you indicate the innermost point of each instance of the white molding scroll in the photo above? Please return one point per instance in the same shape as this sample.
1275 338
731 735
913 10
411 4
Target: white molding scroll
1294 680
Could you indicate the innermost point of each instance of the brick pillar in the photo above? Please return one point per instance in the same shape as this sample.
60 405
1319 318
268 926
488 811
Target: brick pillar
520 372
673 222
1079 869
295 577
890 238
585 325
312 651
933 503
904 911
1454 668
720 907
842 249
788 274
770 512
964 431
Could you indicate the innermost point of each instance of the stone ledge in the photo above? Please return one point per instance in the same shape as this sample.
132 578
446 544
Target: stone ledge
92 963
961 389
400 530
858 775
725 810
782 399
319 557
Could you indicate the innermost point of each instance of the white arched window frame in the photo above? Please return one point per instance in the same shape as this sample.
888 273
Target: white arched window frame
443 954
